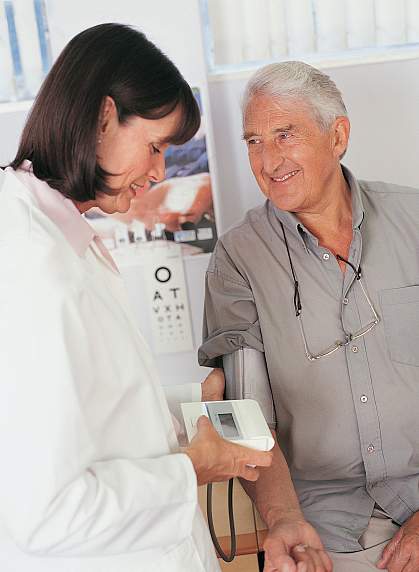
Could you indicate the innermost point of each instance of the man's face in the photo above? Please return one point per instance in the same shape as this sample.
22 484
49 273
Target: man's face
293 159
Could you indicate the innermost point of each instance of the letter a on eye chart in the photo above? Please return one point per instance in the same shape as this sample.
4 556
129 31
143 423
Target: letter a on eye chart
168 300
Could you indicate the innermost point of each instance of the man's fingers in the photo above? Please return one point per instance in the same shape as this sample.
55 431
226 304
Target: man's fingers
311 557
280 563
397 565
400 558
327 561
412 565
386 555
388 551
316 560
277 558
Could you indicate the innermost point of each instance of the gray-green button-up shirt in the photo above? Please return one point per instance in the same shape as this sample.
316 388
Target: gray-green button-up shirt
348 423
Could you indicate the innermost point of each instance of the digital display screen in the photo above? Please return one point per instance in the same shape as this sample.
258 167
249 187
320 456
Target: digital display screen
227 423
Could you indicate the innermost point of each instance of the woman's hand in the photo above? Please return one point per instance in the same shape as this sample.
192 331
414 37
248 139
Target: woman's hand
215 459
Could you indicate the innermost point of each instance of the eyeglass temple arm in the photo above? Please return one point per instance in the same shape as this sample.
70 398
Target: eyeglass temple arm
357 272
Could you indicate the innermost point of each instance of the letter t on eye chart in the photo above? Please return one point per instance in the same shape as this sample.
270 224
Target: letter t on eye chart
168 300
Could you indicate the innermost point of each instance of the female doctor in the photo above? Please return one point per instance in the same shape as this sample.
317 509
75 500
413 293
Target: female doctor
92 478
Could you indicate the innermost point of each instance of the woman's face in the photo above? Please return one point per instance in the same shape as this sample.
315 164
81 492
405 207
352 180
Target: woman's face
133 152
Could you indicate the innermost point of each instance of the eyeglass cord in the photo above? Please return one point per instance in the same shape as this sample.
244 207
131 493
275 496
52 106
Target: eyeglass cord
357 272
297 299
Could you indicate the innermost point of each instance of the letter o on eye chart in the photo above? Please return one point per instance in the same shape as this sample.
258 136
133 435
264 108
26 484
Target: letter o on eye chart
163 274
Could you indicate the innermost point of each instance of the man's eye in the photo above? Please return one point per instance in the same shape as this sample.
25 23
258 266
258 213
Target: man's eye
253 141
155 149
284 135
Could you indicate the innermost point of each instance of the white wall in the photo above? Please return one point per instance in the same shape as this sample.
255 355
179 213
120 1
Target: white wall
383 104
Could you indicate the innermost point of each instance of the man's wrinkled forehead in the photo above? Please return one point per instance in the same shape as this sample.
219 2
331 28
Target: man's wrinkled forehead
269 113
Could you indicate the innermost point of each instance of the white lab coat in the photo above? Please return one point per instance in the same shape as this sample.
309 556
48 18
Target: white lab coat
90 479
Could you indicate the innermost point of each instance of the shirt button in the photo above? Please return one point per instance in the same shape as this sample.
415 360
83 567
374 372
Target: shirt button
363 398
326 256
345 301
354 349
370 448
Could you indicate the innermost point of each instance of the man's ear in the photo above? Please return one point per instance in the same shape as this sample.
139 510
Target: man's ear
108 114
340 135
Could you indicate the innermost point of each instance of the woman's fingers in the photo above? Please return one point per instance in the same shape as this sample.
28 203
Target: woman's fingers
216 459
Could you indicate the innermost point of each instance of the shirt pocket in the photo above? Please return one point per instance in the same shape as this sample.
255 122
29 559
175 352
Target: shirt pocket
400 307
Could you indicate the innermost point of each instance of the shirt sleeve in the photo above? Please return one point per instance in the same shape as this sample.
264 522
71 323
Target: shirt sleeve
230 315
57 498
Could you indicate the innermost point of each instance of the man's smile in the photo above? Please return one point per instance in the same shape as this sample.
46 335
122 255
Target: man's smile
285 177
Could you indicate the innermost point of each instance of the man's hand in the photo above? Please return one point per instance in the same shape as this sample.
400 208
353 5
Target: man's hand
213 386
215 459
402 552
293 545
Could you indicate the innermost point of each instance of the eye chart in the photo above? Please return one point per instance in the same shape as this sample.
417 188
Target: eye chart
168 299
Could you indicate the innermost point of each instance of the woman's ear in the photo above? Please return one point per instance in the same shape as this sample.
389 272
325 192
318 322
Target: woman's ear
108 115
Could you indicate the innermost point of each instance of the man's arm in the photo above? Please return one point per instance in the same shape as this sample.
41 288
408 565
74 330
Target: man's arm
231 322
291 539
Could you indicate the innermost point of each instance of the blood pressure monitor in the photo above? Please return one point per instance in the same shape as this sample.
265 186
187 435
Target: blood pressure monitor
240 421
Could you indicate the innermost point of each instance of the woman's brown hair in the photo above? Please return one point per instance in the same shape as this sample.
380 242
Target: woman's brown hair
114 60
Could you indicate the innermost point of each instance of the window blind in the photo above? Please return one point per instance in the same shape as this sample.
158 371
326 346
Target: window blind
245 31
25 54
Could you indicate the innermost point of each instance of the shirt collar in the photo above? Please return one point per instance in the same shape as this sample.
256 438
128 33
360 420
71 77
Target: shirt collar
358 211
292 224
59 209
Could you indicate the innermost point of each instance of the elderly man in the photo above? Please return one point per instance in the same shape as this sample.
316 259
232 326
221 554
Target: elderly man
324 279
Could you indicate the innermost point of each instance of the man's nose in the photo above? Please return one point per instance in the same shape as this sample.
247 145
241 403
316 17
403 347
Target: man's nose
272 158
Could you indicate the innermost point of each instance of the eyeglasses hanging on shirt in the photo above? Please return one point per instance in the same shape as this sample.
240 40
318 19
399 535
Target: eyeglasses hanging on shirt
349 337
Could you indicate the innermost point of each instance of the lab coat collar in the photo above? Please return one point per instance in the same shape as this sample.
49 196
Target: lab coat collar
58 208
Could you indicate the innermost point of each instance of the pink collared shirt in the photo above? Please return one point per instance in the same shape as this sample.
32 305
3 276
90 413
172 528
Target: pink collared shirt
64 213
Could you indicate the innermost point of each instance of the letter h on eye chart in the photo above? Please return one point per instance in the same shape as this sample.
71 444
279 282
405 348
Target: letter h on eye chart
168 300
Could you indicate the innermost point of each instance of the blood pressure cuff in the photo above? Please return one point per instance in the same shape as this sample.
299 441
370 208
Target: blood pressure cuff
247 378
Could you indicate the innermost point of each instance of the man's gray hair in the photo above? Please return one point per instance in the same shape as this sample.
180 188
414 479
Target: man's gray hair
297 80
